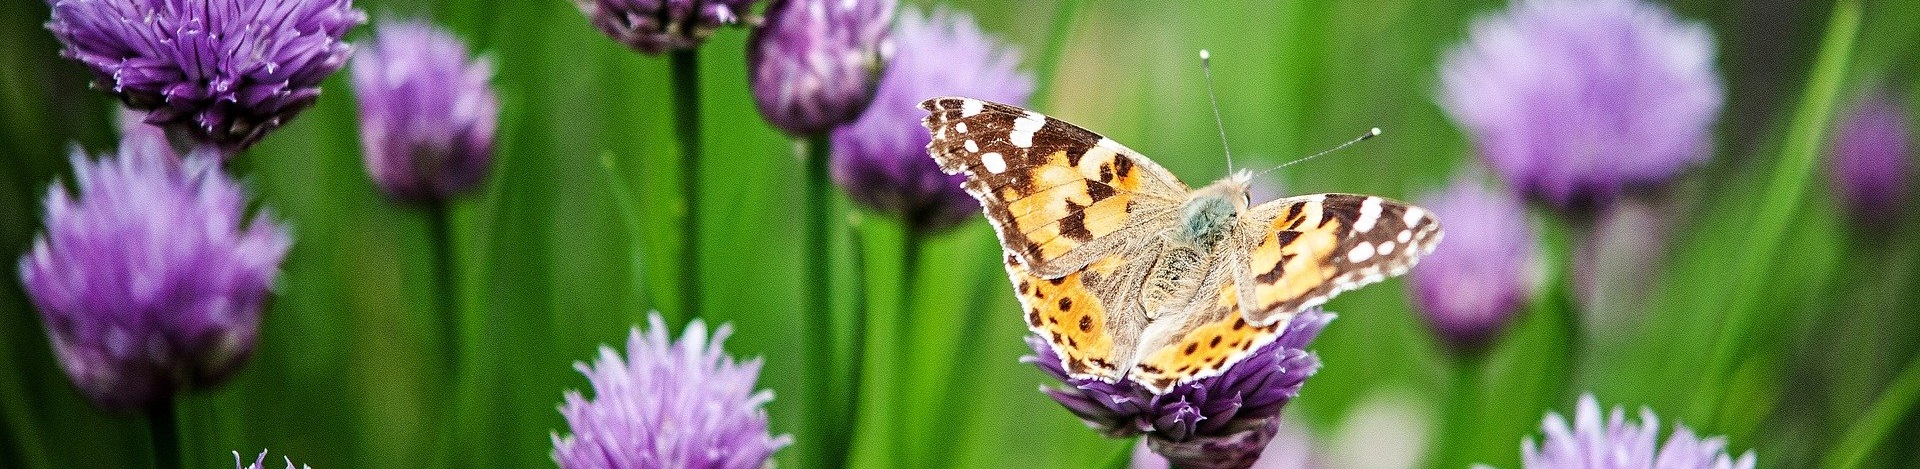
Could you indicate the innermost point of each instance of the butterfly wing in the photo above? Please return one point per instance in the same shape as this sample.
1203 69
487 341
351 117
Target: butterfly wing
1059 196
1301 251
1085 316
1210 338
1290 254
1070 208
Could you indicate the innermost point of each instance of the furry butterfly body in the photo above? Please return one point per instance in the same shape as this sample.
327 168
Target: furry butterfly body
1129 274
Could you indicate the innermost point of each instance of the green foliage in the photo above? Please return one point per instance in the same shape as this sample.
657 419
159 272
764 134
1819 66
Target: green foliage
576 237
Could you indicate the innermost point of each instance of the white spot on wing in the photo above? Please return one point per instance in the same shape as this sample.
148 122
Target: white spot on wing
970 107
1109 144
994 163
960 127
972 147
1386 248
1405 235
1369 214
1361 252
1024 128
1414 214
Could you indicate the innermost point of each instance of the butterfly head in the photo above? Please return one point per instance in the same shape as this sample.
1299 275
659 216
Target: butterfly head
1209 213
1234 190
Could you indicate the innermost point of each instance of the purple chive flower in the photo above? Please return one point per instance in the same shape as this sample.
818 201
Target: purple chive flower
1472 285
260 462
655 26
1290 449
1869 165
1573 102
152 280
881 159
1222 421
427 113
815 63
1618 444
223 71
679 404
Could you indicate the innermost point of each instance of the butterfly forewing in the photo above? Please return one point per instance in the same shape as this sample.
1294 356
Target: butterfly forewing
1048 187
1307 249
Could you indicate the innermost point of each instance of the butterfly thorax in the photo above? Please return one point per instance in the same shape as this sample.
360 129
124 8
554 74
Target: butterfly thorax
1191 246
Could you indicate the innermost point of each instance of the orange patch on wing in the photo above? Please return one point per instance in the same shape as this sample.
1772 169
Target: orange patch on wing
1069 317
1290 263
1206 350
1069 201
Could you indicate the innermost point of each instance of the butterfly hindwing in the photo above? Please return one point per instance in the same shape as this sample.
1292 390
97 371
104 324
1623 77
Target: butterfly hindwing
1067 313
1214 338
1305 250
1049 188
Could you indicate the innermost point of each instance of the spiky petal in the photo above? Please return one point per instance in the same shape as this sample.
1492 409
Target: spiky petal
151 280
226 72
684 404
427 112
1222 421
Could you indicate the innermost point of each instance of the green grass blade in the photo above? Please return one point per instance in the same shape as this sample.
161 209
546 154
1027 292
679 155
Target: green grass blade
1780 202
1895 406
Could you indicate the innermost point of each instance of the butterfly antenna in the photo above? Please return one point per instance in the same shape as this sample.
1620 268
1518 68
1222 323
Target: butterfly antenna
1371 133
1206 68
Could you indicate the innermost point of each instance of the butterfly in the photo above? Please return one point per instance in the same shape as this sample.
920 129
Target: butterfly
1129 274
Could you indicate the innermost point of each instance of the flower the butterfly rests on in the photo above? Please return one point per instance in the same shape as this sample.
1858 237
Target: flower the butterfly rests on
1128 274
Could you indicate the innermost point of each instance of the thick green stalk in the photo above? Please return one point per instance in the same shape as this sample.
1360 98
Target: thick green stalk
824 409
1780 201
165 429
1462 410
1898 404
918 440
446 284
878 436
686 101
857 353
446 277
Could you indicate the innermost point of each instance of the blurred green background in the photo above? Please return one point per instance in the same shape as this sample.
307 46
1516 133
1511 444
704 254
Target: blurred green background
349 371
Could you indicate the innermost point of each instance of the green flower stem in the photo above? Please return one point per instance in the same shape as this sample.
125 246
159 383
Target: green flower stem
446 283
165 429
826 427
856 363
916 439
1896 406
874 440
446 277
1462 410
1572 333
685 64
1780 201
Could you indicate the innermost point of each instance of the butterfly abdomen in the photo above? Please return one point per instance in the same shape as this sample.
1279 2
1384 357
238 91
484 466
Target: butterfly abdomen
1173 277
